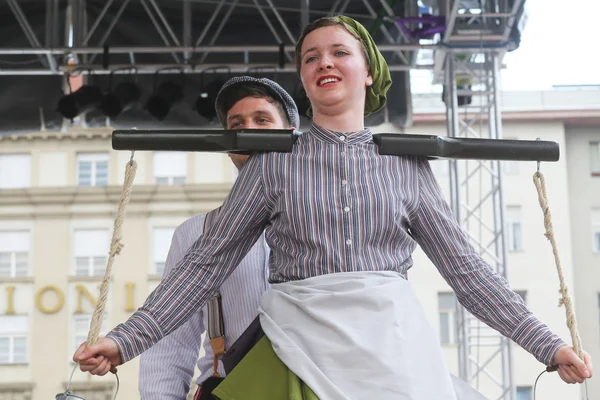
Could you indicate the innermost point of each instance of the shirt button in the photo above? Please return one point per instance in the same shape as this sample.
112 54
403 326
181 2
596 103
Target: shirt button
346 209
344 182
342 138
342 153
348 241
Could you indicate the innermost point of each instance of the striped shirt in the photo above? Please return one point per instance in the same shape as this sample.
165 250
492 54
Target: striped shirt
334 205
167 369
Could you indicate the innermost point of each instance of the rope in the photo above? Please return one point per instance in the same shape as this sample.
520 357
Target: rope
540 184
115 249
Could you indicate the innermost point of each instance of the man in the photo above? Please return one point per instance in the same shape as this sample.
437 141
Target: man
167 369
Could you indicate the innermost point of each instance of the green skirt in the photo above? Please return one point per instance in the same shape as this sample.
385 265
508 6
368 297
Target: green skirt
262 376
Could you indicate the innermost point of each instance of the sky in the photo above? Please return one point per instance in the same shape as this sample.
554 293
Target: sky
557 48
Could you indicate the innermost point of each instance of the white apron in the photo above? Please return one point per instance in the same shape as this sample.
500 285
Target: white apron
359 336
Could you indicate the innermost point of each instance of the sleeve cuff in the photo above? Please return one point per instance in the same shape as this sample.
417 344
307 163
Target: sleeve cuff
137 335
536 338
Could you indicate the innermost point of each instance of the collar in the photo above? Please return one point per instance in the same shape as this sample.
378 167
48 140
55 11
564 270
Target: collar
326 135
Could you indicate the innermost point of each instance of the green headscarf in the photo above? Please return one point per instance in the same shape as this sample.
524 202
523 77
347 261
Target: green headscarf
376 93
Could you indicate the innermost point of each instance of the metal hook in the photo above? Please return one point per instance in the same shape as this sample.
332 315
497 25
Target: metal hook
538 163
132 151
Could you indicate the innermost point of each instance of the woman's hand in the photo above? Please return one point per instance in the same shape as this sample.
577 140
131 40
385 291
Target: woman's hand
99 358
570 367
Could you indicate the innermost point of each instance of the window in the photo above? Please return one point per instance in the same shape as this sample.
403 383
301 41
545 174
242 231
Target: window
170 168
14 254
82 324
596 231
15 171
595 158
90 250
13 339
162 242
514 228
447 310
92 169
524 393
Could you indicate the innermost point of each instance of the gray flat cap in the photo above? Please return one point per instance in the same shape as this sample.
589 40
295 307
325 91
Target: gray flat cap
276 91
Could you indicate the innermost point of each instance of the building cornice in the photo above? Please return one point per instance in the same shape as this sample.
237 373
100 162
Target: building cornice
72 134
574 117
103 201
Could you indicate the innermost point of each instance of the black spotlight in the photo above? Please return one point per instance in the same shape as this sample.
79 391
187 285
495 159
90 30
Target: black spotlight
122 98
84 99
205 103
164 96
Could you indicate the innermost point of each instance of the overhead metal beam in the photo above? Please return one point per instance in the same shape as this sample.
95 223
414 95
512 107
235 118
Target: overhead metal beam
165 22
107 33
186 68
187 26
304 13
281 21
219 29
210 22
180 49
158 28
385 32
272 28
14 6
97 22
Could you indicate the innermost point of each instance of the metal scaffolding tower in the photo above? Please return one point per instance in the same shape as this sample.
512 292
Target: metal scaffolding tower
478 34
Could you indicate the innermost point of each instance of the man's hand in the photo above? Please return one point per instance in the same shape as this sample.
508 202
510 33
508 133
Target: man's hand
99 358
570 367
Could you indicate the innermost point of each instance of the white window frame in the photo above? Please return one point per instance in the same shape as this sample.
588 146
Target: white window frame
511 224
12 337
80 336
161 178
95 159
26 179
528 389
452 318
93 264
595 158
159 260
13 256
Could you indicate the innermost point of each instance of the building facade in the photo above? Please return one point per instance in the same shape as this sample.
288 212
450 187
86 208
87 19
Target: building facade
59 193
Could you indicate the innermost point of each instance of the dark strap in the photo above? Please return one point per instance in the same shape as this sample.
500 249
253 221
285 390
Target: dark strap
243 345
216 326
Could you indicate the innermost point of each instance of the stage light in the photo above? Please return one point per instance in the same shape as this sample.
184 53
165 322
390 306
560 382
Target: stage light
122 98
205 103
82 100
164 96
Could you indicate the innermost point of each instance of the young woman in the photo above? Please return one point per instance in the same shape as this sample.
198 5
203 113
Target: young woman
342 222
